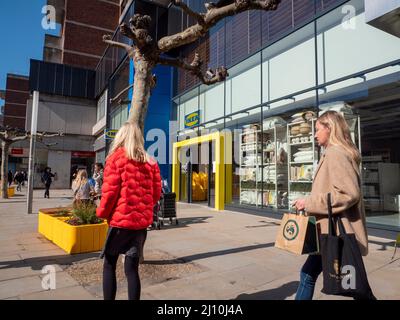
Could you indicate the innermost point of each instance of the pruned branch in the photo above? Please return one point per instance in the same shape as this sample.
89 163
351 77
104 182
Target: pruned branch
107 39
49 135
20 138
214 14
197 16
208 78
138 30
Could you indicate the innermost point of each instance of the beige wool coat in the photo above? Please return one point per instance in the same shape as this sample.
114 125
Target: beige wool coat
337 173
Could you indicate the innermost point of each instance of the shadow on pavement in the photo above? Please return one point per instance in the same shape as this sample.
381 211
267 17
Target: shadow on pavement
183 222
265 224
205 255
281 293
39 262
383 245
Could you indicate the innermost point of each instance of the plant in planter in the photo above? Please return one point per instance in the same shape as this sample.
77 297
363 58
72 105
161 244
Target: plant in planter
84 213
63 213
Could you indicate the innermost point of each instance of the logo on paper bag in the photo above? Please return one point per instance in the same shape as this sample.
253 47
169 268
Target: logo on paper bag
336 266
291 230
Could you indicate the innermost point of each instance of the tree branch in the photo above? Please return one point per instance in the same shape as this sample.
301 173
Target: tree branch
20 138
210 77
107 39
197 16
211 18
127 31
49 135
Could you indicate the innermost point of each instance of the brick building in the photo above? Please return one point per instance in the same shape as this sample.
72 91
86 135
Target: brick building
83 24
16 95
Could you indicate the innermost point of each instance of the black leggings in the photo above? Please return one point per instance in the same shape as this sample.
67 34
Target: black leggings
47 191
110 279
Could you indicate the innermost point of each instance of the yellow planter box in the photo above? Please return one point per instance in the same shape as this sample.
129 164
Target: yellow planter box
10 191
72 239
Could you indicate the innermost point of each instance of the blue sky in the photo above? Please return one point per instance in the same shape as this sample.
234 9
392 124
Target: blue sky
21 36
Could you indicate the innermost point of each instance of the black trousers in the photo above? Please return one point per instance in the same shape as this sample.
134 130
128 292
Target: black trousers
110 278
47 191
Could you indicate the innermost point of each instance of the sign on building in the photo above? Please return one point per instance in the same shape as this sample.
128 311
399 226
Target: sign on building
192 119
110 134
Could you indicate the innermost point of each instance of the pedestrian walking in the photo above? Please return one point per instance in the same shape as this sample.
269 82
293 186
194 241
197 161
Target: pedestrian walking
19 179
47 179
10 178
98 179
337 173
131 188
25 177
81 188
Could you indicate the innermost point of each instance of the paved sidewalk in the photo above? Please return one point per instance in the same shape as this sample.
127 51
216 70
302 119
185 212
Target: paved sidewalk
234 251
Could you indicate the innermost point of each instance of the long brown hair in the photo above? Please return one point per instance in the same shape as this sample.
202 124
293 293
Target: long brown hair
340 133
130 138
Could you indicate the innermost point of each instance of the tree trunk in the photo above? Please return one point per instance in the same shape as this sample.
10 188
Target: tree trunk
4 169
141 91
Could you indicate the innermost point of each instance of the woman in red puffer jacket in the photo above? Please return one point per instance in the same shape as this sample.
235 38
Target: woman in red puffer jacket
131 188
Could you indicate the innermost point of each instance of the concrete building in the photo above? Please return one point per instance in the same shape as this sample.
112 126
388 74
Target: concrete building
67 105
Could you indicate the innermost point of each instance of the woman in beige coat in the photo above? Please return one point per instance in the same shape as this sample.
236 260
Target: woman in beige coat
337 173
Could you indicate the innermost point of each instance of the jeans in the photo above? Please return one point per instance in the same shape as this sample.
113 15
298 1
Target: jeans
310 271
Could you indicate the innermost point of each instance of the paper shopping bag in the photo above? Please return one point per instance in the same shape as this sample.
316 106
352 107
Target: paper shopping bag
298 234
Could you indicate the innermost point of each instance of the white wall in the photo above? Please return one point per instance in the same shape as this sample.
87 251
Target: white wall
71 116
60 162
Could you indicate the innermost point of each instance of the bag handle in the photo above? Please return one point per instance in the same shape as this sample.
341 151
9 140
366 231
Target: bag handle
332 230
342 230
333 221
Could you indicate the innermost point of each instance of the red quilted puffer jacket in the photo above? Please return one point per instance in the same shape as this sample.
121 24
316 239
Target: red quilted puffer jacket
129 192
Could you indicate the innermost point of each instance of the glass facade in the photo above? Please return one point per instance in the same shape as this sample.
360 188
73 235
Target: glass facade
335 61
236 38
119 108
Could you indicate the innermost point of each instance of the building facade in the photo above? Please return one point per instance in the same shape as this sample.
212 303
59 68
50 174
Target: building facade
256 151
115 72
83 24
66 105
16 94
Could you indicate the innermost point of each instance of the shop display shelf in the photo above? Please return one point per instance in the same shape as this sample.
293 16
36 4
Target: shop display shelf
300 143
302 162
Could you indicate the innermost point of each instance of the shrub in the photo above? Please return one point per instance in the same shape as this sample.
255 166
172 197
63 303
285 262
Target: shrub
84 213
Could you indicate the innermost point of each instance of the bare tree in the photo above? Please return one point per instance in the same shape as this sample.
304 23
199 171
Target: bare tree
8 136
146 52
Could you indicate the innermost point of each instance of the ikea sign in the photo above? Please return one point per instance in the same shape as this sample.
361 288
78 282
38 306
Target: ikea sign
110 134
192 119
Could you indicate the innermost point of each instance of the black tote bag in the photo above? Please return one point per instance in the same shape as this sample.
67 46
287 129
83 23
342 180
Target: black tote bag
342 264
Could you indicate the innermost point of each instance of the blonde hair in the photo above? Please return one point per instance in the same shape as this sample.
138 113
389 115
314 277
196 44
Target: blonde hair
340 133
81 178
130 138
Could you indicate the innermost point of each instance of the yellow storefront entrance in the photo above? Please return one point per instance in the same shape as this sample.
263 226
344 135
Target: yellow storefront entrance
223 163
